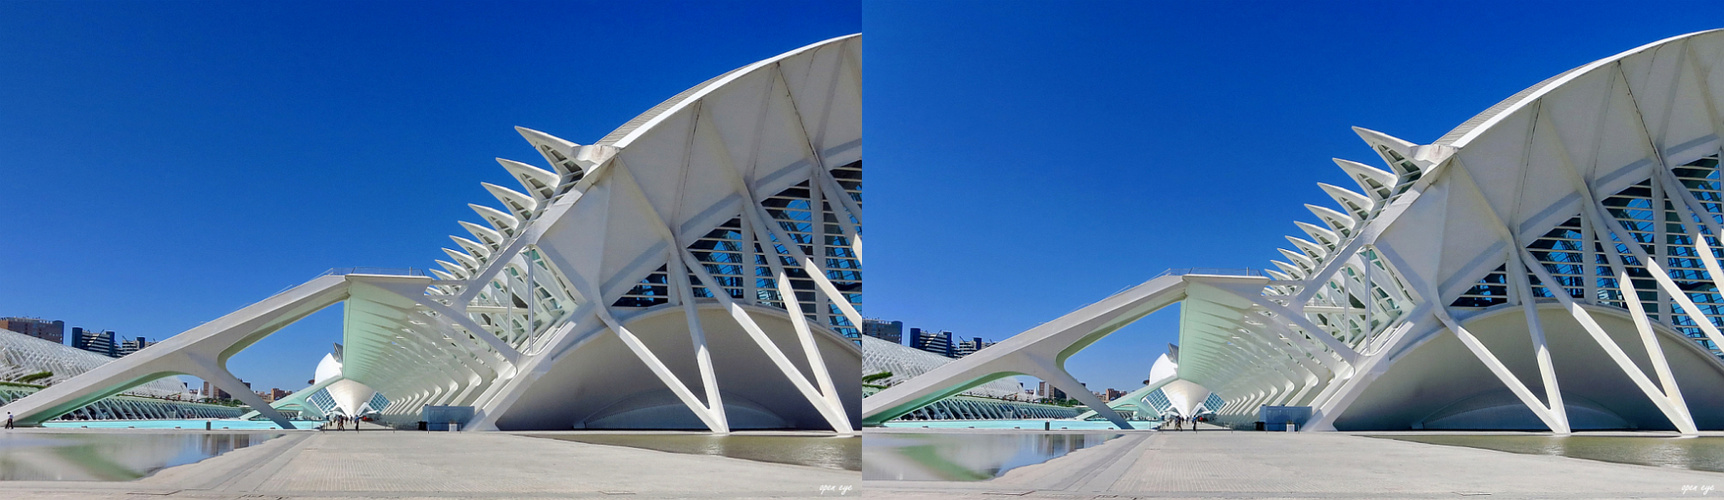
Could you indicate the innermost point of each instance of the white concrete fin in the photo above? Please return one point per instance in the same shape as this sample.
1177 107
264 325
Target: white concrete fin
484 234
472 247
535 180
1340 222
1320 235
1380 185
1312 249
465 260
1359 205
522 205
558 152
498 219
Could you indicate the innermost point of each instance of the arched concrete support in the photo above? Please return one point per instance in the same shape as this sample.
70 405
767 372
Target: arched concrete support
1039 352
201 352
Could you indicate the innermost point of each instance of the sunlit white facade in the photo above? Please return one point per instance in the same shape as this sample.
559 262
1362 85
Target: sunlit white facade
1550 264
697 268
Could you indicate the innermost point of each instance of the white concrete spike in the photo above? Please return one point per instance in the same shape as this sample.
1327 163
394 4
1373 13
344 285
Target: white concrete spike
484 234
1377 183
522 205
1298 258
535 180
1357 204
466 260
498 219
456 269
1340 222
1316 252
558 152
473 247
1321 235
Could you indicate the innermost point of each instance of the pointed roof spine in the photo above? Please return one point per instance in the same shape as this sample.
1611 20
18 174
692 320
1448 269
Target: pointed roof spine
521 204
456 269
559 153
1305 263
499 219
535 180
1316 252
467 261
1326 237
1366 176
473 247
1358 204
1340 222
484 234
1395 152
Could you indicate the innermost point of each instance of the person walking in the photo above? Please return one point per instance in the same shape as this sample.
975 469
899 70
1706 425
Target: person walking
8 420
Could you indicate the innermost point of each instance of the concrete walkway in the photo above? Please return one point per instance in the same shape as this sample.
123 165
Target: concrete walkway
412 464
1223 464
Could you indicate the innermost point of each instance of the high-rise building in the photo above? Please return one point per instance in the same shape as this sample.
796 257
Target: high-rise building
890 331
1113 394
935 342
97 342
968 347
276 394
213 392
131 346
52 331
1050 392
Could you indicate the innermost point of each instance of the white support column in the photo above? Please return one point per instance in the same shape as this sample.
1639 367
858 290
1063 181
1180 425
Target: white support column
1541 350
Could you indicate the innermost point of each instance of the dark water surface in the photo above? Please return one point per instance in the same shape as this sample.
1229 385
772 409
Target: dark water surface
110 456
964 456
831 452
1700 453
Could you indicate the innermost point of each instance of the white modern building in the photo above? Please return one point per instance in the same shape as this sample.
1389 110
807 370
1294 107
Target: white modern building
697 268
1550 264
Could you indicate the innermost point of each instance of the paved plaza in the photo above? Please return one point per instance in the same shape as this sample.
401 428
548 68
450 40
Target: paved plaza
1226 464
409 464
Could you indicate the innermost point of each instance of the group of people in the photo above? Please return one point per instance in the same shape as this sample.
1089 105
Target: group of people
341 421
1178 422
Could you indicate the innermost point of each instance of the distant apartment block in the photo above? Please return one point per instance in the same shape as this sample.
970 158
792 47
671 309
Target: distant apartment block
935 342
890 331
97 342
52 331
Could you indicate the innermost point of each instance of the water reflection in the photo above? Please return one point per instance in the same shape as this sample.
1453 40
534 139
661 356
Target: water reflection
105 456
1704 453
831 452
964 456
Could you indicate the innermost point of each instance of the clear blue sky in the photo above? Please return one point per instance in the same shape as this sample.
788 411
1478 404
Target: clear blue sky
165 163
1026 159
168 163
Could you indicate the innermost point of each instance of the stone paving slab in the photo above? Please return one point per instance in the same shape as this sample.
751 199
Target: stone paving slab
1300 465
403 465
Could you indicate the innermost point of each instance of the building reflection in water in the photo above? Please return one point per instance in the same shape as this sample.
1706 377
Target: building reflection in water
964 456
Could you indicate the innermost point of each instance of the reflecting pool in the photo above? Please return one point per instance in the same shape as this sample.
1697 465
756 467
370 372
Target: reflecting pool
1052 425
831 452
964 456
197 424
109 456
1701 453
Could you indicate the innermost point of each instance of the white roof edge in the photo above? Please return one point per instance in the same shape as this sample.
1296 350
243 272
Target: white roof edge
1539 90
664 111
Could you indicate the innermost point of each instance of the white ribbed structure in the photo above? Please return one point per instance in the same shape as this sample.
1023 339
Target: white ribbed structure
1551 264
697 268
